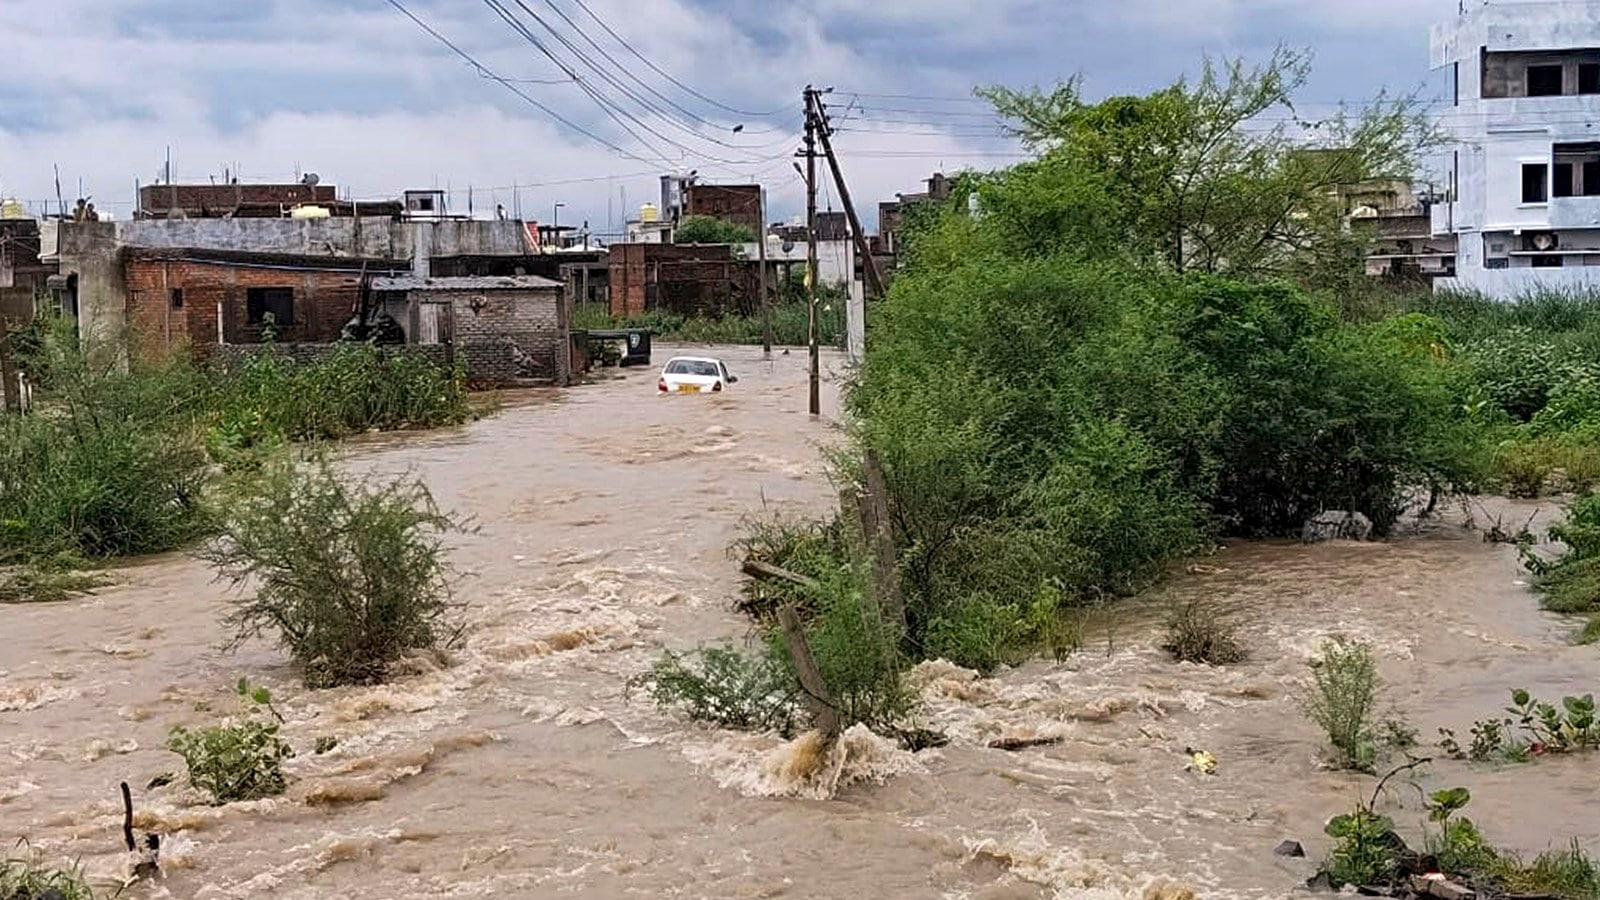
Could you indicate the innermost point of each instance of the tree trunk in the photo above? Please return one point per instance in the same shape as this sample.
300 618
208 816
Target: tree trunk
824 711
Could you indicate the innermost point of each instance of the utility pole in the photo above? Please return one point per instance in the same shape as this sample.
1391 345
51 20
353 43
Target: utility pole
870 266
761 254
812 103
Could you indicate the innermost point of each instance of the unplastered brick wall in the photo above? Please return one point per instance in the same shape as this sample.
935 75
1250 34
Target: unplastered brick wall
510 334
323 302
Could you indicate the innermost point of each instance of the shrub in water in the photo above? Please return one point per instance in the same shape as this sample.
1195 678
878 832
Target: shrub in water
1198 633
348 576
726 688
239 761
1342 701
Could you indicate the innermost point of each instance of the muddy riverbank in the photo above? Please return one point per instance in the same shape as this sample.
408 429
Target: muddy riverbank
520 766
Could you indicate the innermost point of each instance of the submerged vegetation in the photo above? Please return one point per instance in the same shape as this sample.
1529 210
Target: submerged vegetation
117 459
1155 335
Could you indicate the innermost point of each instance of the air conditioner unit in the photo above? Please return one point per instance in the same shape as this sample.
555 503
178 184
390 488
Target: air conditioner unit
1541 241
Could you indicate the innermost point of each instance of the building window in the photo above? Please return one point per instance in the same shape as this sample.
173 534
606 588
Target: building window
1589 78
1544 81
1548 262
1497 262
1535 183
277 301
1577 170
177 298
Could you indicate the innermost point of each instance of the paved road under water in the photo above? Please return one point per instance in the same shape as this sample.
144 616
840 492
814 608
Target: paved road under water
521 766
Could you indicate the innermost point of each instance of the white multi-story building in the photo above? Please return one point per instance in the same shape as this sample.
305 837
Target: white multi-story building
1523 165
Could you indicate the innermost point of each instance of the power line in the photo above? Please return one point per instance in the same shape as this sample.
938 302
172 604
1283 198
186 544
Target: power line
664 74
489 73
607 105
640 81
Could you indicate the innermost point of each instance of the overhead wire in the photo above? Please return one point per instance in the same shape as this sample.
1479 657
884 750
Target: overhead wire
610 106
694 116
668 76
489 73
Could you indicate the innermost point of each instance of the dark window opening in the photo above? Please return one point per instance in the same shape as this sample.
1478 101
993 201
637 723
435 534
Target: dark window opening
425 204
1563 185
1589 78
1544 81
1548 262
276 301
1498 262
177 298
1591 178
1535 183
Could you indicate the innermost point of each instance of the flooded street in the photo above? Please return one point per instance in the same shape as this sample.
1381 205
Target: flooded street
522 766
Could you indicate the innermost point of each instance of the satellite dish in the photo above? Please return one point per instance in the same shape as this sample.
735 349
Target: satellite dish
1545 241
311 179
788 246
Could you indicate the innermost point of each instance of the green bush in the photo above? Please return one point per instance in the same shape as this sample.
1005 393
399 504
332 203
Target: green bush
1343 701
1571 583
1197 633
711 230
111 465
347 576
238 761
357 388
726 688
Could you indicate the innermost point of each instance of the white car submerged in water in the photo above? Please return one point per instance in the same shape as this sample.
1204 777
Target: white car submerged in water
694 375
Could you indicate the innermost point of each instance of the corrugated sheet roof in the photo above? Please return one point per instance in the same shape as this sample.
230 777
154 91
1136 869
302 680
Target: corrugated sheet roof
465 283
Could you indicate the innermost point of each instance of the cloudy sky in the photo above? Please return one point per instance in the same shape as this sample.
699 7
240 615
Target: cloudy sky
360 94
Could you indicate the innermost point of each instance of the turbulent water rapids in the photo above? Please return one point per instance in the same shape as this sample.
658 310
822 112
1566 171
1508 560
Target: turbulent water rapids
521 766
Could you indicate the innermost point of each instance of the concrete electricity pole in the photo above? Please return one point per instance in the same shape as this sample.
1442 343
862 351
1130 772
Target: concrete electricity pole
761 254
812 102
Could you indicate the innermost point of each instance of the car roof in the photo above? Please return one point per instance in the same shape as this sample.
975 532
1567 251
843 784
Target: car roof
709 359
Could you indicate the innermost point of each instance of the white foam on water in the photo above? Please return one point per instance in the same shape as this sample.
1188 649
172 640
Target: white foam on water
806 767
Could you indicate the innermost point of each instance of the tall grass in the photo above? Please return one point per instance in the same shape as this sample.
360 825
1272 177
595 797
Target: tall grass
112 464
355 389
789 325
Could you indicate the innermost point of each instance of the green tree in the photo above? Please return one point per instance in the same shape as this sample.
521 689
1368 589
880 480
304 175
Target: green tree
1221 174
711 230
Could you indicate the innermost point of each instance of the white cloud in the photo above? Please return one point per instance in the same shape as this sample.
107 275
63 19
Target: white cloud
354 91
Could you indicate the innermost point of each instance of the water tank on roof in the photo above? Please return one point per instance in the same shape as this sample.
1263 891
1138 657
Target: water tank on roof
12 208
649 213
309 211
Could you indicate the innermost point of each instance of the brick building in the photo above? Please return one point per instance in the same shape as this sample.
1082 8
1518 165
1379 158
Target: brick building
249 201
736 203
686 280
178 298
506 327
23 278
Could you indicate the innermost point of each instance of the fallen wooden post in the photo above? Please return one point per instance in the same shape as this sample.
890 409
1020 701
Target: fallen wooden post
817 696
1015 744
755 568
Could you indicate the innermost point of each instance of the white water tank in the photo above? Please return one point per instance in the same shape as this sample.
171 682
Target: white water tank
310 211
649 213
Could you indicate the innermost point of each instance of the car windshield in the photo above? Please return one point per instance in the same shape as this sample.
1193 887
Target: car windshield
693 367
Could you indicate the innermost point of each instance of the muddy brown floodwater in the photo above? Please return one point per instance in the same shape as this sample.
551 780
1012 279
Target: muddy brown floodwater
523 767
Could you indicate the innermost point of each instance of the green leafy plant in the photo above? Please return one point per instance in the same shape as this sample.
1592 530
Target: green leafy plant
24 877
724 687
1343 700
711 230
1198 633
348 576
238 761
1552 729
1365 848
